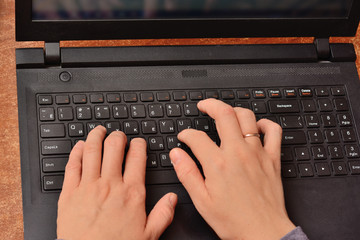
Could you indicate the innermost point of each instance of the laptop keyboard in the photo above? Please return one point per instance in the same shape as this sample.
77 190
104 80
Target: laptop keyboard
319 136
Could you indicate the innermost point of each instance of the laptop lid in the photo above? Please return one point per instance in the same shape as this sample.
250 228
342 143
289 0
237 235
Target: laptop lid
56 20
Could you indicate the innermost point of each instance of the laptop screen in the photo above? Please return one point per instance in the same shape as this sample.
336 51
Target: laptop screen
187 9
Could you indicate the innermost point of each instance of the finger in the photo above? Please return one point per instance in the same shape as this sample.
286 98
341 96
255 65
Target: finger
114 148
247 121
272 137
135 164
189 175
73 168
201 145
224 115
92 154
161 215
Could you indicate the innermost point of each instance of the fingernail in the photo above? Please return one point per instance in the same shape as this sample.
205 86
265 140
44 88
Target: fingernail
173 199
175 156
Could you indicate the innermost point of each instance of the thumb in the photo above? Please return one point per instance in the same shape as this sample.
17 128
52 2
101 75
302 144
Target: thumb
161 215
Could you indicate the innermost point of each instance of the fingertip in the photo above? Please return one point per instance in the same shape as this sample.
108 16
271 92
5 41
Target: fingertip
175 156
173 198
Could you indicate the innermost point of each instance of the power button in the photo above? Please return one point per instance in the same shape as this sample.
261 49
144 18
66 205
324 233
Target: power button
65 76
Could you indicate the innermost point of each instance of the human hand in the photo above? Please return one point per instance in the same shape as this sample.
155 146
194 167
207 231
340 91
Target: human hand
99 202
241 196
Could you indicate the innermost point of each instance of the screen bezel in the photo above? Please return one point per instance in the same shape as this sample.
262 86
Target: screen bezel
55 31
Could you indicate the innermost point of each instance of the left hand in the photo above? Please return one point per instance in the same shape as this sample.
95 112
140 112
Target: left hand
99 202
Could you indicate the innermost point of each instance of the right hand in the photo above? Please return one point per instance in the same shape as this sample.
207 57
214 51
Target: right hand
241 196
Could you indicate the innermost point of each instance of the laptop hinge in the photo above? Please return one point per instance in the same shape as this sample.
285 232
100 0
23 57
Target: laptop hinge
52 53
323 48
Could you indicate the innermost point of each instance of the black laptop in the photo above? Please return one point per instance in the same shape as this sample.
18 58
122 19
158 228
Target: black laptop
311 90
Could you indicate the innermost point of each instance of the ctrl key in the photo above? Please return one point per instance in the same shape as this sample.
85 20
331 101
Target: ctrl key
53 182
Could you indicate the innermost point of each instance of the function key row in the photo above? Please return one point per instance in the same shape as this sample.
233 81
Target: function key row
193 95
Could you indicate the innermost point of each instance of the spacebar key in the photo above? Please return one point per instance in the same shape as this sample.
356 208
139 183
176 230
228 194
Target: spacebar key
55 147
293 137
161 177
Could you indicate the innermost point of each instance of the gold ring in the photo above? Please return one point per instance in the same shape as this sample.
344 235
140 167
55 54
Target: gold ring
252 135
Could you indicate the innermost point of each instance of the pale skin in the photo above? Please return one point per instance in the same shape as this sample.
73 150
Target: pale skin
241 196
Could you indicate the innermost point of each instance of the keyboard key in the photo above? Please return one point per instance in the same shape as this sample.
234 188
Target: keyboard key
47 114
102 112
183 124
243 94
147 97
286 154
120 111
325 105
338 91
55 147
190 109
202 124
259 107
315 136
113 98
131 128
259 94
284 106
242 105
354 167
76 130
291 122
341 104
156 143
305 92
179 96
53 182
274 93
65 113
137 111
289 93
227 95
196 96
312 121
348 135
62 99
293 138
339 168
130 97
288 171
328 120
45 100
148 127
151 161
80 99
212 94
156 110
344 120
302 154
173 110
332 136
83 113
163 96
321 92
96 98
308 106
335 151
165 160
352 151
306 170
54 164
112 126
52 130
319 153
167 126
92 125
322 169
173 142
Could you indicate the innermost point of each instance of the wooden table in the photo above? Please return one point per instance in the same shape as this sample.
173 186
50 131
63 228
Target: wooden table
11 225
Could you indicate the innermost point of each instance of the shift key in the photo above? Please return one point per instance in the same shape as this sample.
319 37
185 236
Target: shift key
55 147
293 137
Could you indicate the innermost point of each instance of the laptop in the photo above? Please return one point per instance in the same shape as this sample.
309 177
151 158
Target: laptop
311 90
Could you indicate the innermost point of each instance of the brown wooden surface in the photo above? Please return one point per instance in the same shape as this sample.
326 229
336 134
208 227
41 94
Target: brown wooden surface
11 226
